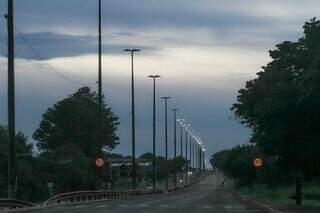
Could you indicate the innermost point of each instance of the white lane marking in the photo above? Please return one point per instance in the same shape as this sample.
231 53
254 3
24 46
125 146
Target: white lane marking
143 206
79 207
164 206
122 205
101 206
228 207
206 207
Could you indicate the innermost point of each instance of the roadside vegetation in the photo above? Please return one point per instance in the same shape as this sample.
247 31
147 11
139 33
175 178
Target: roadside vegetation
67 144
281 108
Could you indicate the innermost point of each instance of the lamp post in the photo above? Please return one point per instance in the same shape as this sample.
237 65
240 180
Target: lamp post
186 146
175 144
166 136
154 131
181 141
204 159
132 51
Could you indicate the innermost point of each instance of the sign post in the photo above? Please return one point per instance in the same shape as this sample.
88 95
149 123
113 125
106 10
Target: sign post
257 162
99 162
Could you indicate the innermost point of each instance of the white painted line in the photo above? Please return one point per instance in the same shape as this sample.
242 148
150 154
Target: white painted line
164 206
101 206
122 205
143 206
79 207
206 207
228 207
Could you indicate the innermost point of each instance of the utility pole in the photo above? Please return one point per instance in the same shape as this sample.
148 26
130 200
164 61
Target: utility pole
11 103
154 131
132 51
175 144
166 137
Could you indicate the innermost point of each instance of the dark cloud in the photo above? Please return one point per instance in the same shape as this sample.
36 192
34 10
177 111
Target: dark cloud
51 45
63 28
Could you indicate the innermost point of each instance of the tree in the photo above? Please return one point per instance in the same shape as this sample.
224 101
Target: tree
281 106
75 121
218 159
238 163
69 140
29 184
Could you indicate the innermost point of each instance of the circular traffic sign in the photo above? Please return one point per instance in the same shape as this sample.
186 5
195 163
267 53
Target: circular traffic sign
257 162
99 162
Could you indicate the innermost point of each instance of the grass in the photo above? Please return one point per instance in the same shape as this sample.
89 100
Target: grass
280 196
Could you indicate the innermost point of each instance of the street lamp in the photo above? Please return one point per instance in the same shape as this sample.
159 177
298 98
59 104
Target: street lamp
175 144
186 146
154 131
166 136
180 121
132 51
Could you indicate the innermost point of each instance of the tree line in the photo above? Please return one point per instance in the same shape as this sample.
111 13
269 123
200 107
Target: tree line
282 109
68 141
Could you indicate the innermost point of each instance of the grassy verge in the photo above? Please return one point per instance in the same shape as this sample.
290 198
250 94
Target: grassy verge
280 196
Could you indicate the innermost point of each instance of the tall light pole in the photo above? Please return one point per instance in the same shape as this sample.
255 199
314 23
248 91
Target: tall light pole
100 104
186 146
100 61
166 136
11 102
181 139
132 51
154 131
204 159
190 155
175 144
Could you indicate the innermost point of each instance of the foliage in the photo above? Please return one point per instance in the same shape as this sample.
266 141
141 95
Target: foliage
29 185
69 139
218 159
281 106
76 121
238 164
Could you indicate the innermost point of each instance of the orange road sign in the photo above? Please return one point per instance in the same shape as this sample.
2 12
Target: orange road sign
99 162
257 162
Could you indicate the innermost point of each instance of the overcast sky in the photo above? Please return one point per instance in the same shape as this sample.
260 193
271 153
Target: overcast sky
205 50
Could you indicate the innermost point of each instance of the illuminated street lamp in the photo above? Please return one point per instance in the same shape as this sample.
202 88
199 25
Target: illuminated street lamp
132 51
154 131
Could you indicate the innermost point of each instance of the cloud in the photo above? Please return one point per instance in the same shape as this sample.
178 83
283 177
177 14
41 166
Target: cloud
205 50
51 45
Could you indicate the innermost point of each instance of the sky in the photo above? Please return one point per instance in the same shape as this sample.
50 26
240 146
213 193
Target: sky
205 51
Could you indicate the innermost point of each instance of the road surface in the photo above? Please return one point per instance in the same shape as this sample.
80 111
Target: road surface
207 196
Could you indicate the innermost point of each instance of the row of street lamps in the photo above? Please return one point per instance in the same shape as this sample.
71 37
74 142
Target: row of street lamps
183 123
196 146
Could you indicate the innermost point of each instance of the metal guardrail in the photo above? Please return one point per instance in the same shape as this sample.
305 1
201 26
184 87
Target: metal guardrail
85 196
82 196
13 203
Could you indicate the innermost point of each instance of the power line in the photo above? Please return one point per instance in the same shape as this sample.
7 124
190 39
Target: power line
56 71
37 53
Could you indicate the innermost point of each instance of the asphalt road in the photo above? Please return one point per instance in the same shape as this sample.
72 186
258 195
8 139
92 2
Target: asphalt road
207 196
